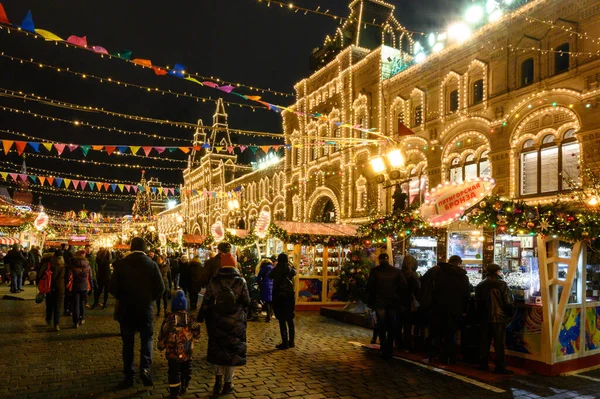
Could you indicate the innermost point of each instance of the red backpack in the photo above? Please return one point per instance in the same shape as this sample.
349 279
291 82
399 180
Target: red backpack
45 283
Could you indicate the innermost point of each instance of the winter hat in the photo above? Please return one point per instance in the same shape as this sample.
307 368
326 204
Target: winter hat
227 260
224 247
492 269
138 244
179 301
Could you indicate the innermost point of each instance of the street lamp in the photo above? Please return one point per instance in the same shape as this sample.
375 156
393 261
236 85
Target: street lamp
377 164
233 204
395 158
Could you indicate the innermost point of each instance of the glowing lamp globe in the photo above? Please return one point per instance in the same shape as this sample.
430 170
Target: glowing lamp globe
474 14
377 164
395 158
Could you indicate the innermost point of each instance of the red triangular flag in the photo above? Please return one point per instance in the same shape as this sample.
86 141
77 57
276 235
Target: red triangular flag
230 149
20 146
7 144
75 184
14 176
3 17
147 150
109 149
403 130
128 187
50 180
106 186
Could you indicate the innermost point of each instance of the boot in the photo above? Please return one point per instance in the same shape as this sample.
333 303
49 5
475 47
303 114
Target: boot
292 334
217 387
227 388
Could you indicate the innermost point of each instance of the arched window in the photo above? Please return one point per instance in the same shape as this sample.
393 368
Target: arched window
418 115
453 101
527 69
400 118
361 194
471 168
363 124
551 167
478 91
417 186
561 58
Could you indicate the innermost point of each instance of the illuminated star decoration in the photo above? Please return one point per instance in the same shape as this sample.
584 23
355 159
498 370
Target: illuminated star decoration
544 225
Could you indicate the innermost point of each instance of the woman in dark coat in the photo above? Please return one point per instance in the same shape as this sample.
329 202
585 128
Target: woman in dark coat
284 300
409 311
195 281
266 286
184 273
224 309
82 284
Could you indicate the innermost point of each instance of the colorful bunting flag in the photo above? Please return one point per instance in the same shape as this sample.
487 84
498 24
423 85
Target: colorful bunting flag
7 144
142 62
3 17
121 187
77 41
85 149
27 24
35 146
42 180
48 146
147 150
99 50
185 150
110 149
58 181
60 148
49 36
160 150
134 149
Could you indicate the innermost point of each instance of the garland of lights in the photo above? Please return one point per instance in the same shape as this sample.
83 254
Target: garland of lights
558 219
99 163
16 229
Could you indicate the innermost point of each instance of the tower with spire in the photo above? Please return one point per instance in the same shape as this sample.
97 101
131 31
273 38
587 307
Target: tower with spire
23 195
219 136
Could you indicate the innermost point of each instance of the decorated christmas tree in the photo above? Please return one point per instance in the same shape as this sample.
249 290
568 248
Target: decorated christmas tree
142 206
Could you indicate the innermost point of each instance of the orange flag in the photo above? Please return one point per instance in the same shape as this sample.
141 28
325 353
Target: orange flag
99 186
7 144
97 147
50 180
42 180
20 146
185 150
265 148
106 186
142 62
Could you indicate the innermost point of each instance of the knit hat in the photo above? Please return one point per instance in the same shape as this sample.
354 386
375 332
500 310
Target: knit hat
492 269
224 247
179 301
227 260
138 244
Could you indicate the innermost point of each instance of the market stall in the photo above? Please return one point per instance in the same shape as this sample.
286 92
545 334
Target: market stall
318 252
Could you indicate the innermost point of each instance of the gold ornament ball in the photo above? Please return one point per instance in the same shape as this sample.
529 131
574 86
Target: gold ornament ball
530 225
585 234
497 206
482 204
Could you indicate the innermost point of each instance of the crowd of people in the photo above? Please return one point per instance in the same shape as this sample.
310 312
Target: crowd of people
441 302
164 286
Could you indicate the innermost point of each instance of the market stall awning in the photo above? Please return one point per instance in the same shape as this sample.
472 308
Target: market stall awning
320 229
193 239
14 221
9 241
54 244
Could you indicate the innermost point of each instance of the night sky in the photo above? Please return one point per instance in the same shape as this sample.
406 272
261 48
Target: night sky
236 40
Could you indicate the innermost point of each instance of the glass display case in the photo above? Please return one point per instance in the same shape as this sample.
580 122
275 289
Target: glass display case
564 251
592 275
424 249
469 246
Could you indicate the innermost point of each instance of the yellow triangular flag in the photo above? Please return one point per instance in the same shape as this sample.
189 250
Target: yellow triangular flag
48 146
134 149
121 187
4 175
67 182
51 37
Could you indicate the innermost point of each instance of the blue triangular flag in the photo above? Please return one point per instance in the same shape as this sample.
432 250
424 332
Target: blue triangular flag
113 187
205 145
122 149
58 181
27 24
35 146
178 71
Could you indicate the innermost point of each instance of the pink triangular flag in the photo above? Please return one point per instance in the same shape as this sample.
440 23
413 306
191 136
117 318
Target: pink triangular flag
73 147
83 184
166 190
135 188
60 148
14 176
160 150
243 147
75 184
77 41
172 190
230 149
23 176
128 188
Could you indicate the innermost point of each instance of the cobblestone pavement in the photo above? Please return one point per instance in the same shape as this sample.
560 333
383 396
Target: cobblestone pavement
328 362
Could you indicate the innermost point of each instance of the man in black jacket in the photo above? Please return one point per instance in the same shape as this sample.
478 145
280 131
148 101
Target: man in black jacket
386 288
494 307
136 283
451 292
212 265
16 260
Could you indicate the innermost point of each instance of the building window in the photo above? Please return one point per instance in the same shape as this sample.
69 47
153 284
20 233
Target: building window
363 125
416 186
527 68
418 115
552 167
400 118
361 194
453 101
478 91
471 168
561 58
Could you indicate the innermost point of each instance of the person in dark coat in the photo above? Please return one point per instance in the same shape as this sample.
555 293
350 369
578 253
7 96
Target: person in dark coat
224 308
54 298
214 263
103 259
408 317
136 283
266 287
165 272
174 263
386 290
495 308
16 261
284 300
82 284
449 304
196 281
184 277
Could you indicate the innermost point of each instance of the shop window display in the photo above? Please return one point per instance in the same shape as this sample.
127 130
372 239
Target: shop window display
424 249
469 246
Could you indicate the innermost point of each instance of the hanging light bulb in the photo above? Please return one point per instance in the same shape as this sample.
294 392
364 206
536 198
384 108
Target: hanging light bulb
593 201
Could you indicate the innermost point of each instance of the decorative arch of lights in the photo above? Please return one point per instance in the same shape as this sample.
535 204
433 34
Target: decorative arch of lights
318 194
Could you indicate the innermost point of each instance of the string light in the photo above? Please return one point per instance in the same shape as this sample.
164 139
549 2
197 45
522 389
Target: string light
99 163
80 194
146 89
166 68
17 167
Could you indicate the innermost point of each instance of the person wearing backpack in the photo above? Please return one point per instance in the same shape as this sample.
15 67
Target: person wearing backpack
284 300
81 272
224 309
266 287
176 338
54 298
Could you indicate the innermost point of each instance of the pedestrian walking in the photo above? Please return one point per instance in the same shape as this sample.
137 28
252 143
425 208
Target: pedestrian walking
450 298
54 298
224 308
16 261
92 260
386 289
195 281
495 311
81 275
214 263
174 263
410 307
136 283
103 260
176 338
266 287
284 300
184 271
165 272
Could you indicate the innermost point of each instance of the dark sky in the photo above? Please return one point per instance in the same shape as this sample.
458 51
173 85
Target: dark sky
237 40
